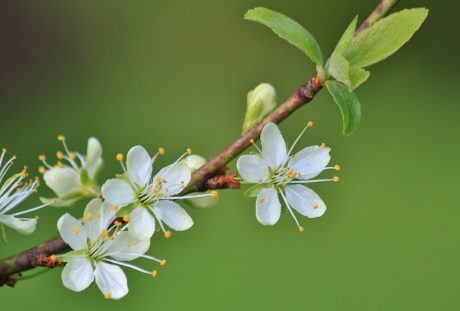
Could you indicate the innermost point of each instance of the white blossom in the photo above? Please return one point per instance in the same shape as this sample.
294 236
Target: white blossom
100 246
277 173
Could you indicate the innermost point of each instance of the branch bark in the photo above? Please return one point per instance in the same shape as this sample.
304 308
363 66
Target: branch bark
210 176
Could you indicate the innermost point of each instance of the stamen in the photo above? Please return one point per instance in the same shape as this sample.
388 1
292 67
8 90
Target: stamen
61 138
154 273
336 179
33 209
126 218
337 167
323 145
120 263
161 150
108 295
119 157
214 193
163 262
309 124
89 217
119 224
75 230
315 206
154 259
59 155
301 229
189 150
168 234
115 208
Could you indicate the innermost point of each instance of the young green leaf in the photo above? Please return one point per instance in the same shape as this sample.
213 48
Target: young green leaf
345 40
348 103
384 37
289 30
357 76
338 67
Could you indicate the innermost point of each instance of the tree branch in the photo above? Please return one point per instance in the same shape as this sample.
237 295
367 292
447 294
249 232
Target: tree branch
209 176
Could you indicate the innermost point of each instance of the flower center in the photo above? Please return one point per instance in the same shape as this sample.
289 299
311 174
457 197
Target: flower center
283 175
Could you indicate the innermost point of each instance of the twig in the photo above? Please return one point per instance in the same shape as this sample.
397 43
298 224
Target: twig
209 176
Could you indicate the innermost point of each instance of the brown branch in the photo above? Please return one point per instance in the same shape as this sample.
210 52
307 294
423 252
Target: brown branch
210 176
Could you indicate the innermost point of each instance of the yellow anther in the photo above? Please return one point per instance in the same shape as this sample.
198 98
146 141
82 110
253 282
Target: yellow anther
37 218
189 150
61 137
214 193
4 150
119 157
108 295
315 206
53 258
59 164
310 123
168 234
251 140
126 218
42 157
336 178
162 262
182 184
75 230
117 223
301 229
115 207
59 155
337 167
323 145
105 233
161 150
259 181
261 200
42 170
72 155
89 217
154 273
129 245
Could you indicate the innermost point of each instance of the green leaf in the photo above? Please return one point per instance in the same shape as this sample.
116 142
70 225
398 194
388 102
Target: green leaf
357 76
346 38
289 30
337 66
348 103
255 190
384 37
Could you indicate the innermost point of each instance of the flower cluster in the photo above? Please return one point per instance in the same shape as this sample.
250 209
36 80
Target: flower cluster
276 172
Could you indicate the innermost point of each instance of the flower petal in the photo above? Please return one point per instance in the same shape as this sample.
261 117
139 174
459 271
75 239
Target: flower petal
23 225
268 207
177 177
252 168
118 192
93 157
125 247
139 165
77 274
273 145
305 201
173 215
310 161
141 224
98 216
72 232
63 180
111 280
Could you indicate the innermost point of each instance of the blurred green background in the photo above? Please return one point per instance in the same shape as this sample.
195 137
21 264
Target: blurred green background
176 74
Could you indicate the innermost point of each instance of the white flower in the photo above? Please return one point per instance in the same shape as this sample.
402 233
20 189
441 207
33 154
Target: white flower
75 178
275 173
12 193
151 198
100 246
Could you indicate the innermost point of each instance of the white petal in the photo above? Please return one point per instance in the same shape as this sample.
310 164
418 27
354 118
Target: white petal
93 157
273 145
139 165
97 217
111 280
252 168
173 215
77 274
23 225
118 192
63 180
72 232
268 207
176 175
125 247
310 161
142 224
305 201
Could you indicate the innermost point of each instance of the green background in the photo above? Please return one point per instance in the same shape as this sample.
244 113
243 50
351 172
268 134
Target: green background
176 74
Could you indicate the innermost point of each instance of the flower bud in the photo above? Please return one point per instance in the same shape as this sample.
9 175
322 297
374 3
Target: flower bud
260 102
194 162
